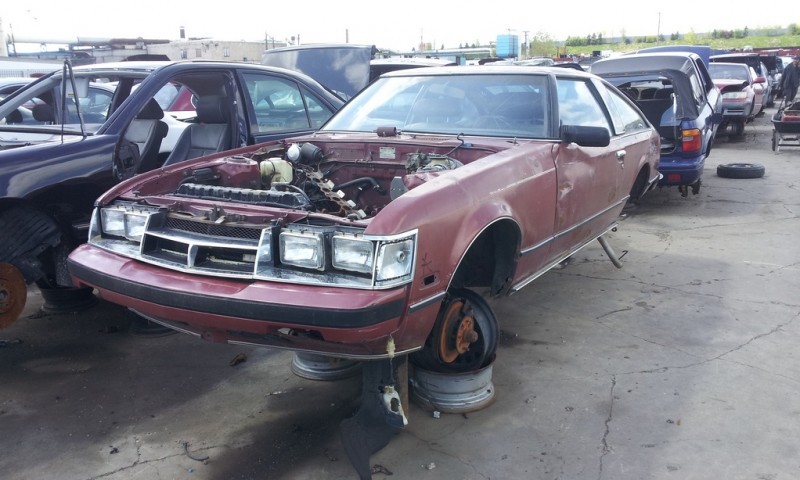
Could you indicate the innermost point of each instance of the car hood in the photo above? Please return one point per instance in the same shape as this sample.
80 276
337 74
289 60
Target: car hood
344 69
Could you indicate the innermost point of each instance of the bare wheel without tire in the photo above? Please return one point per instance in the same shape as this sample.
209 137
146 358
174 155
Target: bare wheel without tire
464 337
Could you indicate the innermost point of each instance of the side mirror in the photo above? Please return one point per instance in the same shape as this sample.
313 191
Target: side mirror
585 136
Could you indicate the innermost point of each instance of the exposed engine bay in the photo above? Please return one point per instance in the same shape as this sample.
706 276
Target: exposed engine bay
349 180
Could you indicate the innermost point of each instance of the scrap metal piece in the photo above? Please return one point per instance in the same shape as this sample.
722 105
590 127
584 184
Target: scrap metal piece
379 418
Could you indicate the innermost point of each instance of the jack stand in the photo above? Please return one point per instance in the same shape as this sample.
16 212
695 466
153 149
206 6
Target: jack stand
384 399
610 252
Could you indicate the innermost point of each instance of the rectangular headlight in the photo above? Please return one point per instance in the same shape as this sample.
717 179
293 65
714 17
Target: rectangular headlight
112 221
395 261
353 254
302 249
124 223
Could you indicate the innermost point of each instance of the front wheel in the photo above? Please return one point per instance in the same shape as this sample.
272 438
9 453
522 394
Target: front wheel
464 337
737 129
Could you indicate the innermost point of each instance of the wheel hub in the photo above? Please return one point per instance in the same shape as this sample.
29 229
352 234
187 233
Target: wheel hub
458 331
13 294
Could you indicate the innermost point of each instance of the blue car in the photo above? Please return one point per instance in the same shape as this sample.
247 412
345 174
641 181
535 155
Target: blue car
676 94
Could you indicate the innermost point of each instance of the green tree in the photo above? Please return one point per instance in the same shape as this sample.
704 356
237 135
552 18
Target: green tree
542 45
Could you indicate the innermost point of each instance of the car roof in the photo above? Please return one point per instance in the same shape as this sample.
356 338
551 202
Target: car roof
485 70
737 55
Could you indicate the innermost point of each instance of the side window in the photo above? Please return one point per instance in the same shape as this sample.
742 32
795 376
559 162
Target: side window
97 103
578 106
625 118
278 103
697 90
317 112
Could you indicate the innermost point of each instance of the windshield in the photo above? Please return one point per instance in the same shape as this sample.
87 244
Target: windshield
40 104
483 105
733 72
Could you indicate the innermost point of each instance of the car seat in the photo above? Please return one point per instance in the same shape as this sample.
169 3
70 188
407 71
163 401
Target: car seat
147 131
211 133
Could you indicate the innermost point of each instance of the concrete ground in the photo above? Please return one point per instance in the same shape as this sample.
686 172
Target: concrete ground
680 365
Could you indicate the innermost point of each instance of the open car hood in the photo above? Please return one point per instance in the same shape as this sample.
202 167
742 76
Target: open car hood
344 69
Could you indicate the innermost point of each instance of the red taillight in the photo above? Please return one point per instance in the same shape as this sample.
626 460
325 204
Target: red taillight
692 140
673 177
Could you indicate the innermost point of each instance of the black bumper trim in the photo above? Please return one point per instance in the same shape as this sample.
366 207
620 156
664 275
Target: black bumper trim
306 316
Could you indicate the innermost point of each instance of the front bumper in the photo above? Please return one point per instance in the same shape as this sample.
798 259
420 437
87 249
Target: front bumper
348 323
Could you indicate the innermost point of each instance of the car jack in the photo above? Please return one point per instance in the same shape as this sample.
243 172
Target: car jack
381 413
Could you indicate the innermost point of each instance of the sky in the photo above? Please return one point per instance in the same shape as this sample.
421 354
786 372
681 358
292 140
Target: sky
399 25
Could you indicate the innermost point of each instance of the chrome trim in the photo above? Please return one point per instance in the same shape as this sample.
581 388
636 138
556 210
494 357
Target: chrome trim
529 250
188 244
426 302
525 282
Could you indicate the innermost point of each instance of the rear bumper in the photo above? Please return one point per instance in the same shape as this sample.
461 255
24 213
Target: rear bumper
681 171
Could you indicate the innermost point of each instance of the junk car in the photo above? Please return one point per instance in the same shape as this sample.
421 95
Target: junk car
676 93
742 94
62 145
382 233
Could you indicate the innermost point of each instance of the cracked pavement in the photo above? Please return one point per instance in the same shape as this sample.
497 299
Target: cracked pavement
680 365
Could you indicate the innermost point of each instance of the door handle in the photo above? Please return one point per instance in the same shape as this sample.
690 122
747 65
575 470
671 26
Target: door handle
621 155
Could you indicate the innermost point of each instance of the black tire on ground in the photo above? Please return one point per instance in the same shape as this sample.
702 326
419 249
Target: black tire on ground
67 299
741 170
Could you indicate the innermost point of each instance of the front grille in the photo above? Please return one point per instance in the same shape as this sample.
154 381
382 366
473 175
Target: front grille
213 229
203 246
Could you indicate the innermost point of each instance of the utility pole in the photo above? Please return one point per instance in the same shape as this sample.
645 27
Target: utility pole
658 30
526 44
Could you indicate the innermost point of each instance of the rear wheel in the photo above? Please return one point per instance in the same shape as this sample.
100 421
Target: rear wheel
464 337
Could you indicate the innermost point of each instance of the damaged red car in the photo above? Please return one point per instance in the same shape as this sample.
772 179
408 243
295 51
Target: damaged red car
382 233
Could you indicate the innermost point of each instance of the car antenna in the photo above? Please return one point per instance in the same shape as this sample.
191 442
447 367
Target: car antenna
68 69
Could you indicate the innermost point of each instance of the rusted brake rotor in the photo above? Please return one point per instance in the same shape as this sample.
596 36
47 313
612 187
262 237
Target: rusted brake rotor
458 331
13 294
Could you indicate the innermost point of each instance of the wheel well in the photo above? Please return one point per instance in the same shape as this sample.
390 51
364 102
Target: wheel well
491 259
36 233
639 185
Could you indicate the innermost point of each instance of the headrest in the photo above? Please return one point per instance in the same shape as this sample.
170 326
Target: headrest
151 111
211 109
43 113
443 107
14 117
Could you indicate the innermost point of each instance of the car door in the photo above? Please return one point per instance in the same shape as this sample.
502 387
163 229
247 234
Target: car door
588 177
